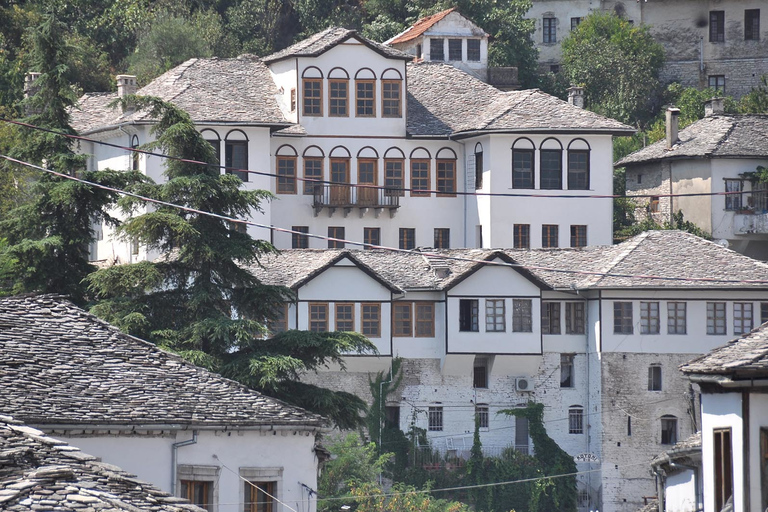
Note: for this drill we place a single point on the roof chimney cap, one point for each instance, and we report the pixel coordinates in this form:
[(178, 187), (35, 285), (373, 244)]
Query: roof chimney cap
[(714, 106), (576, 96), (126, 85), (673, 114)]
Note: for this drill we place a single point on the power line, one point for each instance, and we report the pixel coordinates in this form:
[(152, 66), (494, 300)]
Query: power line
[(382, 247), (390, 189)]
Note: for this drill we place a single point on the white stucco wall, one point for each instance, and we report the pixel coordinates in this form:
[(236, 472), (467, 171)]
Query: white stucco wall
[(680, 492), (722, 410)]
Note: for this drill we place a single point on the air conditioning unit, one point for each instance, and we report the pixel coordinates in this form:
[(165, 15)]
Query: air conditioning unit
[(523, 384)]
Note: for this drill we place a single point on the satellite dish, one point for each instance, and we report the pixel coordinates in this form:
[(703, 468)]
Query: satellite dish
[(722, 243)]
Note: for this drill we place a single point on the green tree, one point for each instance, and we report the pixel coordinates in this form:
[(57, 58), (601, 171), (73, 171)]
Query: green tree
[(369, 497), (756, 101), (48, 236), (618, 64), (202, 300)]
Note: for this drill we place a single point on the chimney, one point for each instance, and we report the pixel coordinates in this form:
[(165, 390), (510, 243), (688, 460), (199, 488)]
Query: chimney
[(714, 107), (576, 96), (29, 80), (673, 115), (126, 85)]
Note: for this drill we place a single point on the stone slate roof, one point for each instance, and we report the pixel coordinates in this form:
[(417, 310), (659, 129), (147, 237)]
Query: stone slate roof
[(419, 27), (675, 255), (652, 506), (717, 136), (62, 365), (239, 91), (688, 450), (443, 100), (321, 42), (745, 357), (38, 472)]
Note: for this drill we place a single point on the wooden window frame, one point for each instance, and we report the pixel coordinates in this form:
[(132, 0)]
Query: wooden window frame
[(396, 103), (368, 195), (521, 237), (367, 323), (189, 495), (421, 192), (335, 234), (469, 315), (305, 98), (401, 332), (578, 235), (309, 186), (442, 238), (446, 185), (650, 317), (342, 100), (323, 307), (723, 465), (741, 318), (407, 238), (677, 317), (521, 182), (300, 241), (368, 239), (655, 382), (575, 318), (623, 323), (286, 183), (717, 323), (336, 311), (548, 233), (427, 323), (252, 496), (391, 186), (550, 317), (358, 98)]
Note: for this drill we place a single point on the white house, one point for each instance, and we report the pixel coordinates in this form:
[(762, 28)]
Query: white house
[(185, 430), (678, 477), (734, 412), (595, 334), (717, 154), (390, 148)]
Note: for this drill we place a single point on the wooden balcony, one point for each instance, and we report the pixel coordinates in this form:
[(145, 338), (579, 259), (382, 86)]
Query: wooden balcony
[(361, 197)]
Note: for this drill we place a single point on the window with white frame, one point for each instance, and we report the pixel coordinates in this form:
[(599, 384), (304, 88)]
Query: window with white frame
[(742, 317), (495, 315), (469, 315), (199, 485), (732, 198), (261, 488), (575, 419), (435, 419), (482, 416), (716, 321), (649, 318), (676, 317), (521, 315)]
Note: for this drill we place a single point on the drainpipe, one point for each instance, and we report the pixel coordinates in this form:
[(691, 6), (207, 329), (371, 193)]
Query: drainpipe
[(701, 54), (174, 456), (381, 413)]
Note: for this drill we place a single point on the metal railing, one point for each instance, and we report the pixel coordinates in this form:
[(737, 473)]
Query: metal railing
[(358, 196)]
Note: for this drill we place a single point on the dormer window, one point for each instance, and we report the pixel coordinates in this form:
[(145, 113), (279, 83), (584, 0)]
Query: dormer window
[(473, 50), (312, 92), (454, 49)]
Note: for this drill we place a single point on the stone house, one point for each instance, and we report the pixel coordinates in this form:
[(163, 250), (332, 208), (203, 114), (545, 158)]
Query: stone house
[(719, 155), (595, 334), (187, 431)]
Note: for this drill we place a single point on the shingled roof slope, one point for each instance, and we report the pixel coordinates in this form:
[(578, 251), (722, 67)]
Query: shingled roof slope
[(718, 136), (239, 90), (38, 472), (321, 42), (418, 28), (689, 449), (443, 100), (744, 357), (62, 365)]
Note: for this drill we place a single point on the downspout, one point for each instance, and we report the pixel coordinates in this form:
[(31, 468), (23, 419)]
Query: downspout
[(589, 386), (174, 456), (746, 427)]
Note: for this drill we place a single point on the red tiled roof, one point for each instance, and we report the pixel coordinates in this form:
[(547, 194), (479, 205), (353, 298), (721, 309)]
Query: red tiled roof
[(421, 26)]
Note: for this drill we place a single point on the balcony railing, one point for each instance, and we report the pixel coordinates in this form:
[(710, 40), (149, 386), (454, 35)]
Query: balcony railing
[(355, 196)]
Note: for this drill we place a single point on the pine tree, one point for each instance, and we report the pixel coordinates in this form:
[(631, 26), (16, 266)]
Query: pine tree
[(48, 235), (201, 300)]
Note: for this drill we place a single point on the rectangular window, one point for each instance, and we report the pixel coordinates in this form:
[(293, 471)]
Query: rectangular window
[(578, 170), (521, 435), (716, 322), (653, 206), (370, 319), (371, 236), (763, 312), (286, 174), (549, 28), (549, 236), (522, 315), (649, 318), (751, 24), (574, 318), (551, 169), (578, 236), (393, 177), (318, 316), (391, 98), (676, 317), (495, 315), (575, 23), (446, 177), (435, 419), (345, 317), (313, 175), (300, 240), (473, 50), (420, 177), (236, 157), (576, 420), (365, 98), (339, 190), (293, 99), (337, 234), (723, 467), (717, 82), (716, 26), (478, 170), (198, 493), (312, 99), (402, 321), (522, 168), (622, 318), (742, 317), (566, 371), (550, 318), (480, 373), (436, 49), (522, 236), (338, 98), (442, 238), (407, 238), (392, 416), (733, 200), (280, 322), (482, 416), (454, 49), (668, 430), (425, 319), (654, 377), (260, 496), (216, 143), (469, 315)]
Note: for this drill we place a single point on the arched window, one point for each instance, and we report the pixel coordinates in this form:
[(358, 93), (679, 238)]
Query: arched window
[(285, 163), (551, 165), (394, 179), (578, 165), (236, 154), (313, 170), (367, 176), (212, 138), (523, 170), (338, 93), (135, 155), (445, 163), (478, 166), (421, 182), (391, 93), (340, 191), (365, 93), (312, 92)]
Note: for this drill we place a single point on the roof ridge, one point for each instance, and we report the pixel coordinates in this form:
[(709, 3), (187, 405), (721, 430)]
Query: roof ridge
[(633, 244)]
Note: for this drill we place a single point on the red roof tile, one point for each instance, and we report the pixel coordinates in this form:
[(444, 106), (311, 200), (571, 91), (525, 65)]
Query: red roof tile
[(421, 26)]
